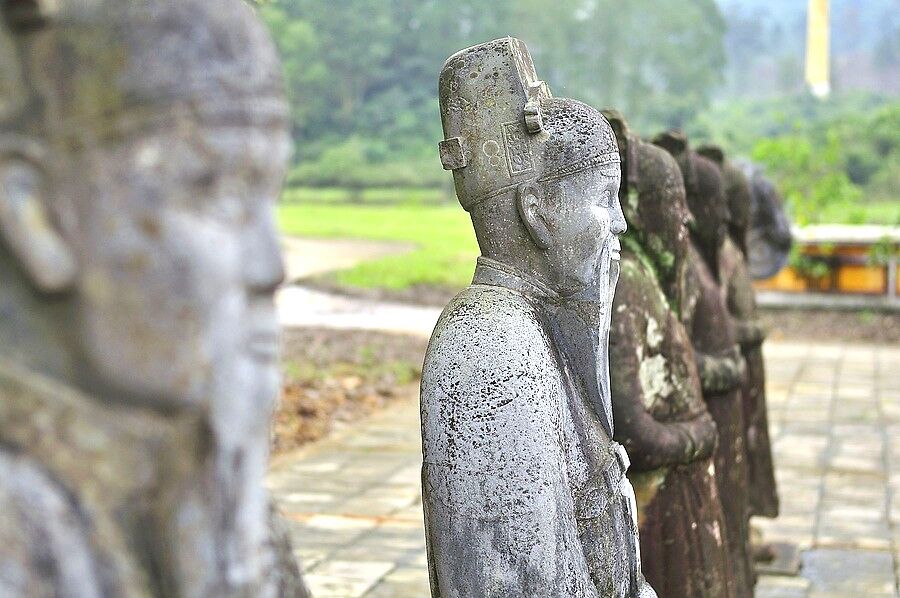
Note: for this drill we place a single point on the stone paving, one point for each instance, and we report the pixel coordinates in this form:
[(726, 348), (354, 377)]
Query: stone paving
[(355, 509)]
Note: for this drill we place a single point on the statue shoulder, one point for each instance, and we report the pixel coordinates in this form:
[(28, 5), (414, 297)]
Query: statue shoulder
[(638, 287), (490, 374), (43, 536), (490, 325)]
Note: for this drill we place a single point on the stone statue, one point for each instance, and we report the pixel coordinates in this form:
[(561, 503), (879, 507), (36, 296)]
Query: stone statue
[(737, 286), (769, 239), (702, 308), (660, 415), (524, 490), (143, 145)]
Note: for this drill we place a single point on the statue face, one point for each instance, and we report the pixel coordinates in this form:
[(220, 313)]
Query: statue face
[(666, 225), (584, 228), (179, 261), (708, 202)]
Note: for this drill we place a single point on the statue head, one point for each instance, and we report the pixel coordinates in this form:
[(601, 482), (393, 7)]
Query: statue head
[(770, 239), (737, 193), (142, 147), (539, 175), (653, 199), (705, 190)]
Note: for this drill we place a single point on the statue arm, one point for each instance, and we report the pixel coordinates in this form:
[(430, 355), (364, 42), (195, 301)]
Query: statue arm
[(749, 332), (721, 373), (650, 443)]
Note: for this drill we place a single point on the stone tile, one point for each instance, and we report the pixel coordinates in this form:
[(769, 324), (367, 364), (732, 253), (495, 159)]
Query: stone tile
[(770, 586), (355, 510), (853, 573), (348, 579)]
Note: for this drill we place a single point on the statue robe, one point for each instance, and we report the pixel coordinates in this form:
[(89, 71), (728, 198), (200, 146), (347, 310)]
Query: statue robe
[(103, 500), (737, 288), (705, 316), (525, 494), (663, 422)]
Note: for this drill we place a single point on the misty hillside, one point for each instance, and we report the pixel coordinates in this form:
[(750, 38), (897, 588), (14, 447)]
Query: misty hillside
[(766, 44)]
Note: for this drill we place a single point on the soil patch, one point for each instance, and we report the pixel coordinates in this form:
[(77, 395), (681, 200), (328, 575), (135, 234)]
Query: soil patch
[(832, 325), (785, 324), (423, 295), (335, 377)]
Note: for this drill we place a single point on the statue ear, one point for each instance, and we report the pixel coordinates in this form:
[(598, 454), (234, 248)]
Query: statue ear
[(712, 152), (530, 203), (26, 225)]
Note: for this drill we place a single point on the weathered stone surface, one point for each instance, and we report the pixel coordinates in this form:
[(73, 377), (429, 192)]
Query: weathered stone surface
[(660, 414), (722, 368), (769, 240), (737, 289), (142, 147), (524, 490)]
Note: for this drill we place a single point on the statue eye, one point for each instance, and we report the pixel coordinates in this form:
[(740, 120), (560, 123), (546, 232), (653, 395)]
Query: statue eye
[(605, 198)]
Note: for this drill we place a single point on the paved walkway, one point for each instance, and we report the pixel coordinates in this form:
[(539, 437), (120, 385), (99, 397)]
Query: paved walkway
[(355, 507)]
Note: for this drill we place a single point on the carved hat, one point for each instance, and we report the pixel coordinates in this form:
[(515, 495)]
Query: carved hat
[(503, 128), (105, 64)]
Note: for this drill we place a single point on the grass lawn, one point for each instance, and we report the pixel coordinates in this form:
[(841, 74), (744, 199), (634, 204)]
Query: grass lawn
[(376, 195), (446, 247), (875, 212), (443, 235)]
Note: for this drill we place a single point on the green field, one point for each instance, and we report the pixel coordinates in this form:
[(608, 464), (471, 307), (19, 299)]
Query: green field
[(375, 195), (877, 212), (445, 244), (445, 247)]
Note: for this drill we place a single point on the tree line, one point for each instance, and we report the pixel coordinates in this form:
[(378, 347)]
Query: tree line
[(362, 74)]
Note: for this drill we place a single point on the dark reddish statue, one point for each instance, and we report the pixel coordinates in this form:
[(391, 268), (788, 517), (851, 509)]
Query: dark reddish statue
[(659, 412), (737, 288), (722, 368)]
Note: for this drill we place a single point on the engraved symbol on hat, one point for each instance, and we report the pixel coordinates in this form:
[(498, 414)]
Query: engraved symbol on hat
[(518, 149), (491, 149)]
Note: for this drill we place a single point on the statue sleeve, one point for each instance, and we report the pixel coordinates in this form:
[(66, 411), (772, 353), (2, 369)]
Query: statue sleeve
[(499, 513), (650, 443), (44, 548), (721, 373)]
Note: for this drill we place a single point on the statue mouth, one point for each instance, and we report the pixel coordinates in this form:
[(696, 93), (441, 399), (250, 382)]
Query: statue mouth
[(615, 249), (265, 346)]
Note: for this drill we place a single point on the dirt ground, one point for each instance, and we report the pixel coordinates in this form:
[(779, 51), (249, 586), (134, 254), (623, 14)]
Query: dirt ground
[(812, 324), (423, 295), (334, 377)]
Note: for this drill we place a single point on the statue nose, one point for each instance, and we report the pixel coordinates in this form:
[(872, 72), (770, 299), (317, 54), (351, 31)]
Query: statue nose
[(263, 264)]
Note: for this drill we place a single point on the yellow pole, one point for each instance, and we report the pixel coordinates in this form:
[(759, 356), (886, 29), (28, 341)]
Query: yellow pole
[(818, 75)]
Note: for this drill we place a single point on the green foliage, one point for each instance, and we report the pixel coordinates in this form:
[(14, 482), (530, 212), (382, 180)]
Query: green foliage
[(814, 268), (835, 161), (883, 252), (809, 175), (362, 74), (357, 163)]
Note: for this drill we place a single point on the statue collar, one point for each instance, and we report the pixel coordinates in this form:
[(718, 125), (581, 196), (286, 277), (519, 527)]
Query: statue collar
[(105, 456), (491, 272)]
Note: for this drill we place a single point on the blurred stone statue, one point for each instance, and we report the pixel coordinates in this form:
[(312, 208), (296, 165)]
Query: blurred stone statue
[(660, 415), (769, 238), (702, 309), (737, 287), (524, 490), (143, 145)]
